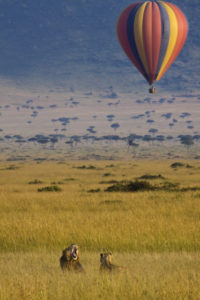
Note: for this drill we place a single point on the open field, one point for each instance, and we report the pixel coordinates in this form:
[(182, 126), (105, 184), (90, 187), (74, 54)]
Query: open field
[(153, 233), (36, 275)]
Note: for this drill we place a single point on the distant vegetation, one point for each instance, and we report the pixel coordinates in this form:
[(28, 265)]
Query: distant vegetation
[(35, 181), (85, 167), (133, 142), (180, 164), (131, 186), (149, 176), (51, 188)]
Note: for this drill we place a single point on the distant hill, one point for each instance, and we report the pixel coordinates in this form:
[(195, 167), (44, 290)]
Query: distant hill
[(73, 44)]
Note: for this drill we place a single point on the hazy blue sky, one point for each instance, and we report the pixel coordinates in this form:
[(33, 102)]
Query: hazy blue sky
[(74, 44)]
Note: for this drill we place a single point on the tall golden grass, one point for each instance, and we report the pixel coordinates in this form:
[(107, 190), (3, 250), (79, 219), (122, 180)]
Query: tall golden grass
[(155, 234), (36, 275)]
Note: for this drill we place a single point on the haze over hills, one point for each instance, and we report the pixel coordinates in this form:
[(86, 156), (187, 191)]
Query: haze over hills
[(64, 76)]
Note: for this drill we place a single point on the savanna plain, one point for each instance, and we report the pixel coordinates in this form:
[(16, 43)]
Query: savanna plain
[(147, 213)]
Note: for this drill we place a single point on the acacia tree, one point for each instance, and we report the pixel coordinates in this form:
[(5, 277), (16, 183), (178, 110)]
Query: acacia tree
[(153, 130), (134, 147), (115, 126), (187, 140)]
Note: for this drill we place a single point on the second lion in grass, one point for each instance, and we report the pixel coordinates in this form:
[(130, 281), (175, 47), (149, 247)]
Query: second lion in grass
[(106, 264)]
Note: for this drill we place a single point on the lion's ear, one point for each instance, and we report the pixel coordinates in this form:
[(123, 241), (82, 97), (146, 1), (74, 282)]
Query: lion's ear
[(64, 251), (101, 254)]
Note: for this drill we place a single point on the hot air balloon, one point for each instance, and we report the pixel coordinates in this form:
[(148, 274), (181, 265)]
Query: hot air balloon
[(152, 34)]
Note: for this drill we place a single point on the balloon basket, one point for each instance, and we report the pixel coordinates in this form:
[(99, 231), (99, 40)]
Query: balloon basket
[(152, 90)]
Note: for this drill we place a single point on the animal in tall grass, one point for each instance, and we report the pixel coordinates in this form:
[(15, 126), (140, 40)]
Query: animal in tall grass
[(69, 261), (106, 264)]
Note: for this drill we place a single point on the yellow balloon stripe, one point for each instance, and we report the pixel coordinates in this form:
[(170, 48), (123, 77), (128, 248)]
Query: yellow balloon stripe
[(173, 37), (138, 35)]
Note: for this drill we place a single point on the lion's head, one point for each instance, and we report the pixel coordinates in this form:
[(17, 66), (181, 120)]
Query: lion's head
[(105, 258), (71, 253)]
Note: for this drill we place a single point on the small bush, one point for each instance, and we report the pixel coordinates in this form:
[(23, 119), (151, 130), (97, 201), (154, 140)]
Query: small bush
[(189, 166), (91, 168), (81, 167), (51, 188), (12, 167), (176, 165), (190, 189), (131, 186), (86, 167), (94, 191), (136, 186), (35, 181), (58, 182), (69, 179), (106, 174), (150, 177)]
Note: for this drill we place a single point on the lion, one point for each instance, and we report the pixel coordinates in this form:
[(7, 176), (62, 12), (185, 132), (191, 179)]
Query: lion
[(106, 265), (69, 260)]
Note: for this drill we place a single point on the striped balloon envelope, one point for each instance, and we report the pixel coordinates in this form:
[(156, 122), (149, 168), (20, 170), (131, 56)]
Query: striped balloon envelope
[(152, 34)]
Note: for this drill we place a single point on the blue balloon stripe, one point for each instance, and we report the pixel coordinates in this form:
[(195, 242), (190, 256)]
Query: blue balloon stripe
[(165, 36), (131, 38)]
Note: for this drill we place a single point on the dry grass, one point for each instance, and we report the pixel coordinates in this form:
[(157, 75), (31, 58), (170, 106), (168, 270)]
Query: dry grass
[(154, 233), (147, 276)]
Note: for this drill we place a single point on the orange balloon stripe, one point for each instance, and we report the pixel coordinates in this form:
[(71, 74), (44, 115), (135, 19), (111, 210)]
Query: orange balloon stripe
[(152, 37), (182, 35)]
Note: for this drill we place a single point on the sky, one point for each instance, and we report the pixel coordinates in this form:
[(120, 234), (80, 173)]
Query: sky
[(73, 44)]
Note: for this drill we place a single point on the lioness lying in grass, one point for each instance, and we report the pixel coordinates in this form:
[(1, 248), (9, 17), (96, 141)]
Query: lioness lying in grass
[(106, 265)]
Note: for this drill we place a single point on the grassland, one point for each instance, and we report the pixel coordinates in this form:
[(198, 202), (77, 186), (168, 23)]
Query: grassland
[(153, 233)]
